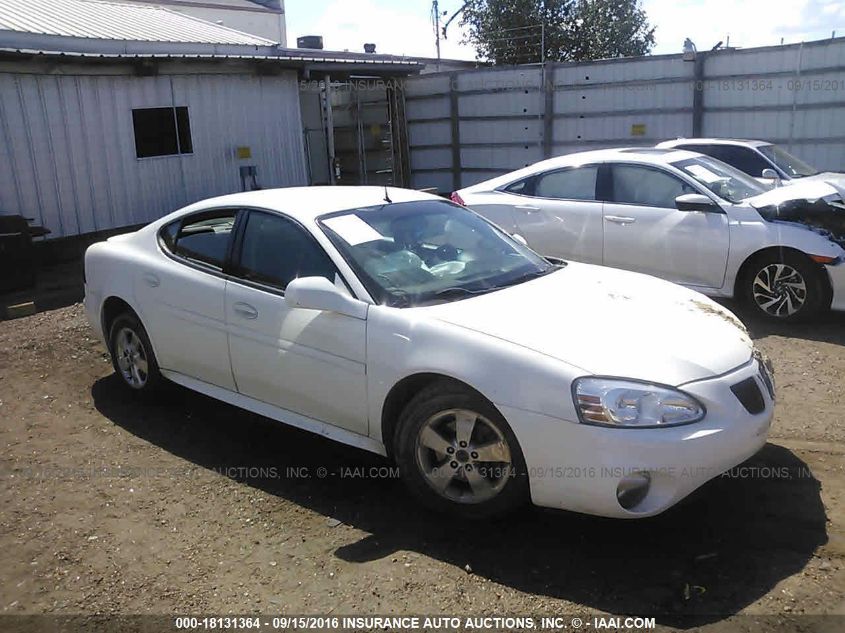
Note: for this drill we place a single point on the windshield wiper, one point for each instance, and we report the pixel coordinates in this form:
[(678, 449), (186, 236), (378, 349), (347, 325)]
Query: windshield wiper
[(534, 274), (460, 291)]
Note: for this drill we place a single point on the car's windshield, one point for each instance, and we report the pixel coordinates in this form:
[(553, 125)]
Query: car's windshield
[(428, 251), (725, 181), (791, 165)]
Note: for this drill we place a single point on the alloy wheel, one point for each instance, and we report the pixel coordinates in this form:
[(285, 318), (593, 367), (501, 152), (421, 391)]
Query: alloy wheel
[(463, 456), (779, 290), (131, 358)]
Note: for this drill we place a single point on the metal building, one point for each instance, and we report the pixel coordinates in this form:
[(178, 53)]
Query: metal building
[(264, 18), (112, 115)]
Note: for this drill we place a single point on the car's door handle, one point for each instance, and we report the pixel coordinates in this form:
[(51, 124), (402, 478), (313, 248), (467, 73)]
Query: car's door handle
[(245, 310), (527, 208), (151, 280), (620, 219)]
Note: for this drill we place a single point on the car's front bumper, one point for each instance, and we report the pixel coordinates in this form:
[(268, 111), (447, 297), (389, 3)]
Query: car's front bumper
[(836, 272), (92, 304), (578, 467)]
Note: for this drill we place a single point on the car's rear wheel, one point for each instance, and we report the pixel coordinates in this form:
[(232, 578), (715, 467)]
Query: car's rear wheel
[(785, 287), (132, 354), (458, 455)]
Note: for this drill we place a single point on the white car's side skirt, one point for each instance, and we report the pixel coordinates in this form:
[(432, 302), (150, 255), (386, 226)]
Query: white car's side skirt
[(725, 291), (276, 413)]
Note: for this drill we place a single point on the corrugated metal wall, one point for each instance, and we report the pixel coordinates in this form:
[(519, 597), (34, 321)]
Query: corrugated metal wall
[(67, 145), (468, 126)]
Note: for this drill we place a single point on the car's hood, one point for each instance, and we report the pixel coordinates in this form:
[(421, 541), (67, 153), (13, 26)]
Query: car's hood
[(826, 176), (817, 205), (610, 322), (809, 189)]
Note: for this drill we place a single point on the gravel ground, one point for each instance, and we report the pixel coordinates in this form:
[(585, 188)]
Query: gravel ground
[(187, 505)]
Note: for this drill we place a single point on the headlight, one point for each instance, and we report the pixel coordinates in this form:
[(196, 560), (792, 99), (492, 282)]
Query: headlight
[(627, 403)]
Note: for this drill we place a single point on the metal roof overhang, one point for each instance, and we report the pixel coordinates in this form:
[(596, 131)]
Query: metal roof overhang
[(76, 49)]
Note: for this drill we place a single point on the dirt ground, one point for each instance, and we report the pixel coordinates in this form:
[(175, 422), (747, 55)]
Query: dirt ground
[(186, 505)]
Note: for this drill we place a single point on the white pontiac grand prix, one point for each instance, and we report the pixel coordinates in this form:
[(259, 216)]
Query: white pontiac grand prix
[(404, 324)]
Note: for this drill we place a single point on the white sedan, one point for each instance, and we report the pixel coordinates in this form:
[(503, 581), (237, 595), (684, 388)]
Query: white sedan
[(682, 216), (406, 325), (768, 163)]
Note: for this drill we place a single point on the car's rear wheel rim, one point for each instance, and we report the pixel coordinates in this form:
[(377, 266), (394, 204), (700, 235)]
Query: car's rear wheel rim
[(779, 290), (131, 358), (463, 456)]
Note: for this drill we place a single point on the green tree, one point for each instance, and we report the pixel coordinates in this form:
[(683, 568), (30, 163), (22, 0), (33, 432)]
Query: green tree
[(519, 31), (509, 31), (610, 28)]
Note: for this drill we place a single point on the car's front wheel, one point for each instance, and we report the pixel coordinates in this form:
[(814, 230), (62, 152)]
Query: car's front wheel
[(458, 455), (785, 287), (132, 354)]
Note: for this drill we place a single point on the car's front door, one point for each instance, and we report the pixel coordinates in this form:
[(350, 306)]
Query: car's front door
[(181, 296), (645, 232), (558, 214), (310, 362)]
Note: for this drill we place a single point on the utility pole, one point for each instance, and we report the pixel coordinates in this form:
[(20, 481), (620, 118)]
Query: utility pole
[(436, 9)]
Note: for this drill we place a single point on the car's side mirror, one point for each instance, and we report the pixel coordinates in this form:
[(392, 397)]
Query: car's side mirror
[(696, 202), (318, 293), (771, 174)]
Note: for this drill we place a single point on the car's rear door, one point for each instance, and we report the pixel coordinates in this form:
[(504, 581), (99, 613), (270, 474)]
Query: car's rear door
[(645, 232), (310, 362), (180, 296), (558, 214)]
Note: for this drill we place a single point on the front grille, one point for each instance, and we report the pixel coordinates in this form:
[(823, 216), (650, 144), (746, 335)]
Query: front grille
[(748, 393)]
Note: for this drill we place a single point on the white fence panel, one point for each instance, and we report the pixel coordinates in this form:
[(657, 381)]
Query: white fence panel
[(489, 121)]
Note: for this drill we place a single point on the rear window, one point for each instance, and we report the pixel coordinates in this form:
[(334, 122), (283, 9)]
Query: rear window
[(202, 238)]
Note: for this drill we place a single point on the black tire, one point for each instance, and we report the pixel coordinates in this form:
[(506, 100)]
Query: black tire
[(511, 481), (151, 380), (800, 269)]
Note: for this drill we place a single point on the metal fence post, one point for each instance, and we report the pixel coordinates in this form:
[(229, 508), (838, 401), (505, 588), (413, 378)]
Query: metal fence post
[(454, 115), (698, 94), (548, 88)]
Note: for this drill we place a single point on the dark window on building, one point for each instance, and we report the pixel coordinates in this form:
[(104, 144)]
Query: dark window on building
[(162, 131)]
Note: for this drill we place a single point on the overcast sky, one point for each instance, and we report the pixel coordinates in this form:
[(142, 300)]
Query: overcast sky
[(404, 26)]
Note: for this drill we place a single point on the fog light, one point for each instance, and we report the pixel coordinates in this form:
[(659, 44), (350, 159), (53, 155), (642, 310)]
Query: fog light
[(633, 489)]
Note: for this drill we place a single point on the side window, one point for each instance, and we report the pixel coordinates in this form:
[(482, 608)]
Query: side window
[(168, 235), (203, 237), (275, 251), (645, 186), (578, 183), (743, 158), (522, 187)]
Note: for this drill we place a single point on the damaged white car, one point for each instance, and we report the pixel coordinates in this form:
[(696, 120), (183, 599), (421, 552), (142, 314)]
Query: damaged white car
[(403, 324), (766, 162), (682, 216)]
